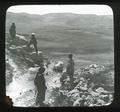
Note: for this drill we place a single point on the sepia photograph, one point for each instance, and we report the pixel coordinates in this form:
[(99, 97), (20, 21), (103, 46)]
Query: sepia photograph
[(59, 55)]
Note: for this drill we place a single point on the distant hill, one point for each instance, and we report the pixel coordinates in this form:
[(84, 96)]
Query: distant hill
[(27, 23), (65, 32)]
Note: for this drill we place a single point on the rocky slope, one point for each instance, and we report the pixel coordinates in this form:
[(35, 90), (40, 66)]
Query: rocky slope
[(93, 84)]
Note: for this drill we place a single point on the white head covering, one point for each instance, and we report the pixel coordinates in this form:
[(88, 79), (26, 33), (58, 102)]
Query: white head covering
[(33, 33)]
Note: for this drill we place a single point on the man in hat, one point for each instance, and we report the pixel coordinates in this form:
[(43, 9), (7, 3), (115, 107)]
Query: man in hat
[(70, 68), (34, 42), (41, 86)]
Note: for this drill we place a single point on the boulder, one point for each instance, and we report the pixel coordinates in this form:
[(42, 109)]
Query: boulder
[(9, 73), (77, 103), (25, 48), (20, 40), (58, 67), (37, 58), (17, 50), (33, 70), (29, 62), (9, 77), (101, 90)]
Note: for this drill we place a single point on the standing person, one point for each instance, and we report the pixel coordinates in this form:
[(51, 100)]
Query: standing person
[(12, 31), (70, 69), (34, 42), (41, 86)]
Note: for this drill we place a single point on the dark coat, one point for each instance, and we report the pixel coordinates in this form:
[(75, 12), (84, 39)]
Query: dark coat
[(41, 87), (40, 82), (70, 67), (12, 31), (34, 42)]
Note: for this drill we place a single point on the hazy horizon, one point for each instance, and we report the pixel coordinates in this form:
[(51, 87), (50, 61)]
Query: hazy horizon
[(76, 9), (56, 13)]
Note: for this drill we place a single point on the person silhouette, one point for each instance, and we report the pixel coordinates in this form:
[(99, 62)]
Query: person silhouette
[(40, 86), (12, 31), (70, 68), (34, 42)]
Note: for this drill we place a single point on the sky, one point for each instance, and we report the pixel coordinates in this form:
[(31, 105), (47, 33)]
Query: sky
[(78, 9)]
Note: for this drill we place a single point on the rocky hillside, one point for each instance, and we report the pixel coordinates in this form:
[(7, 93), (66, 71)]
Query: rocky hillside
[(93, 84)]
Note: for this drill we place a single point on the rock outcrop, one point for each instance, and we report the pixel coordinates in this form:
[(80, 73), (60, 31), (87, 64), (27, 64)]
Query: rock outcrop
[(93, 85)]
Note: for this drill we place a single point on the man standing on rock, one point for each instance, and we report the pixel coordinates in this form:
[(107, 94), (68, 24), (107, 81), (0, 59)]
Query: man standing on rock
[(41, 86), (12, 31), (34, 42), (70, 68)]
